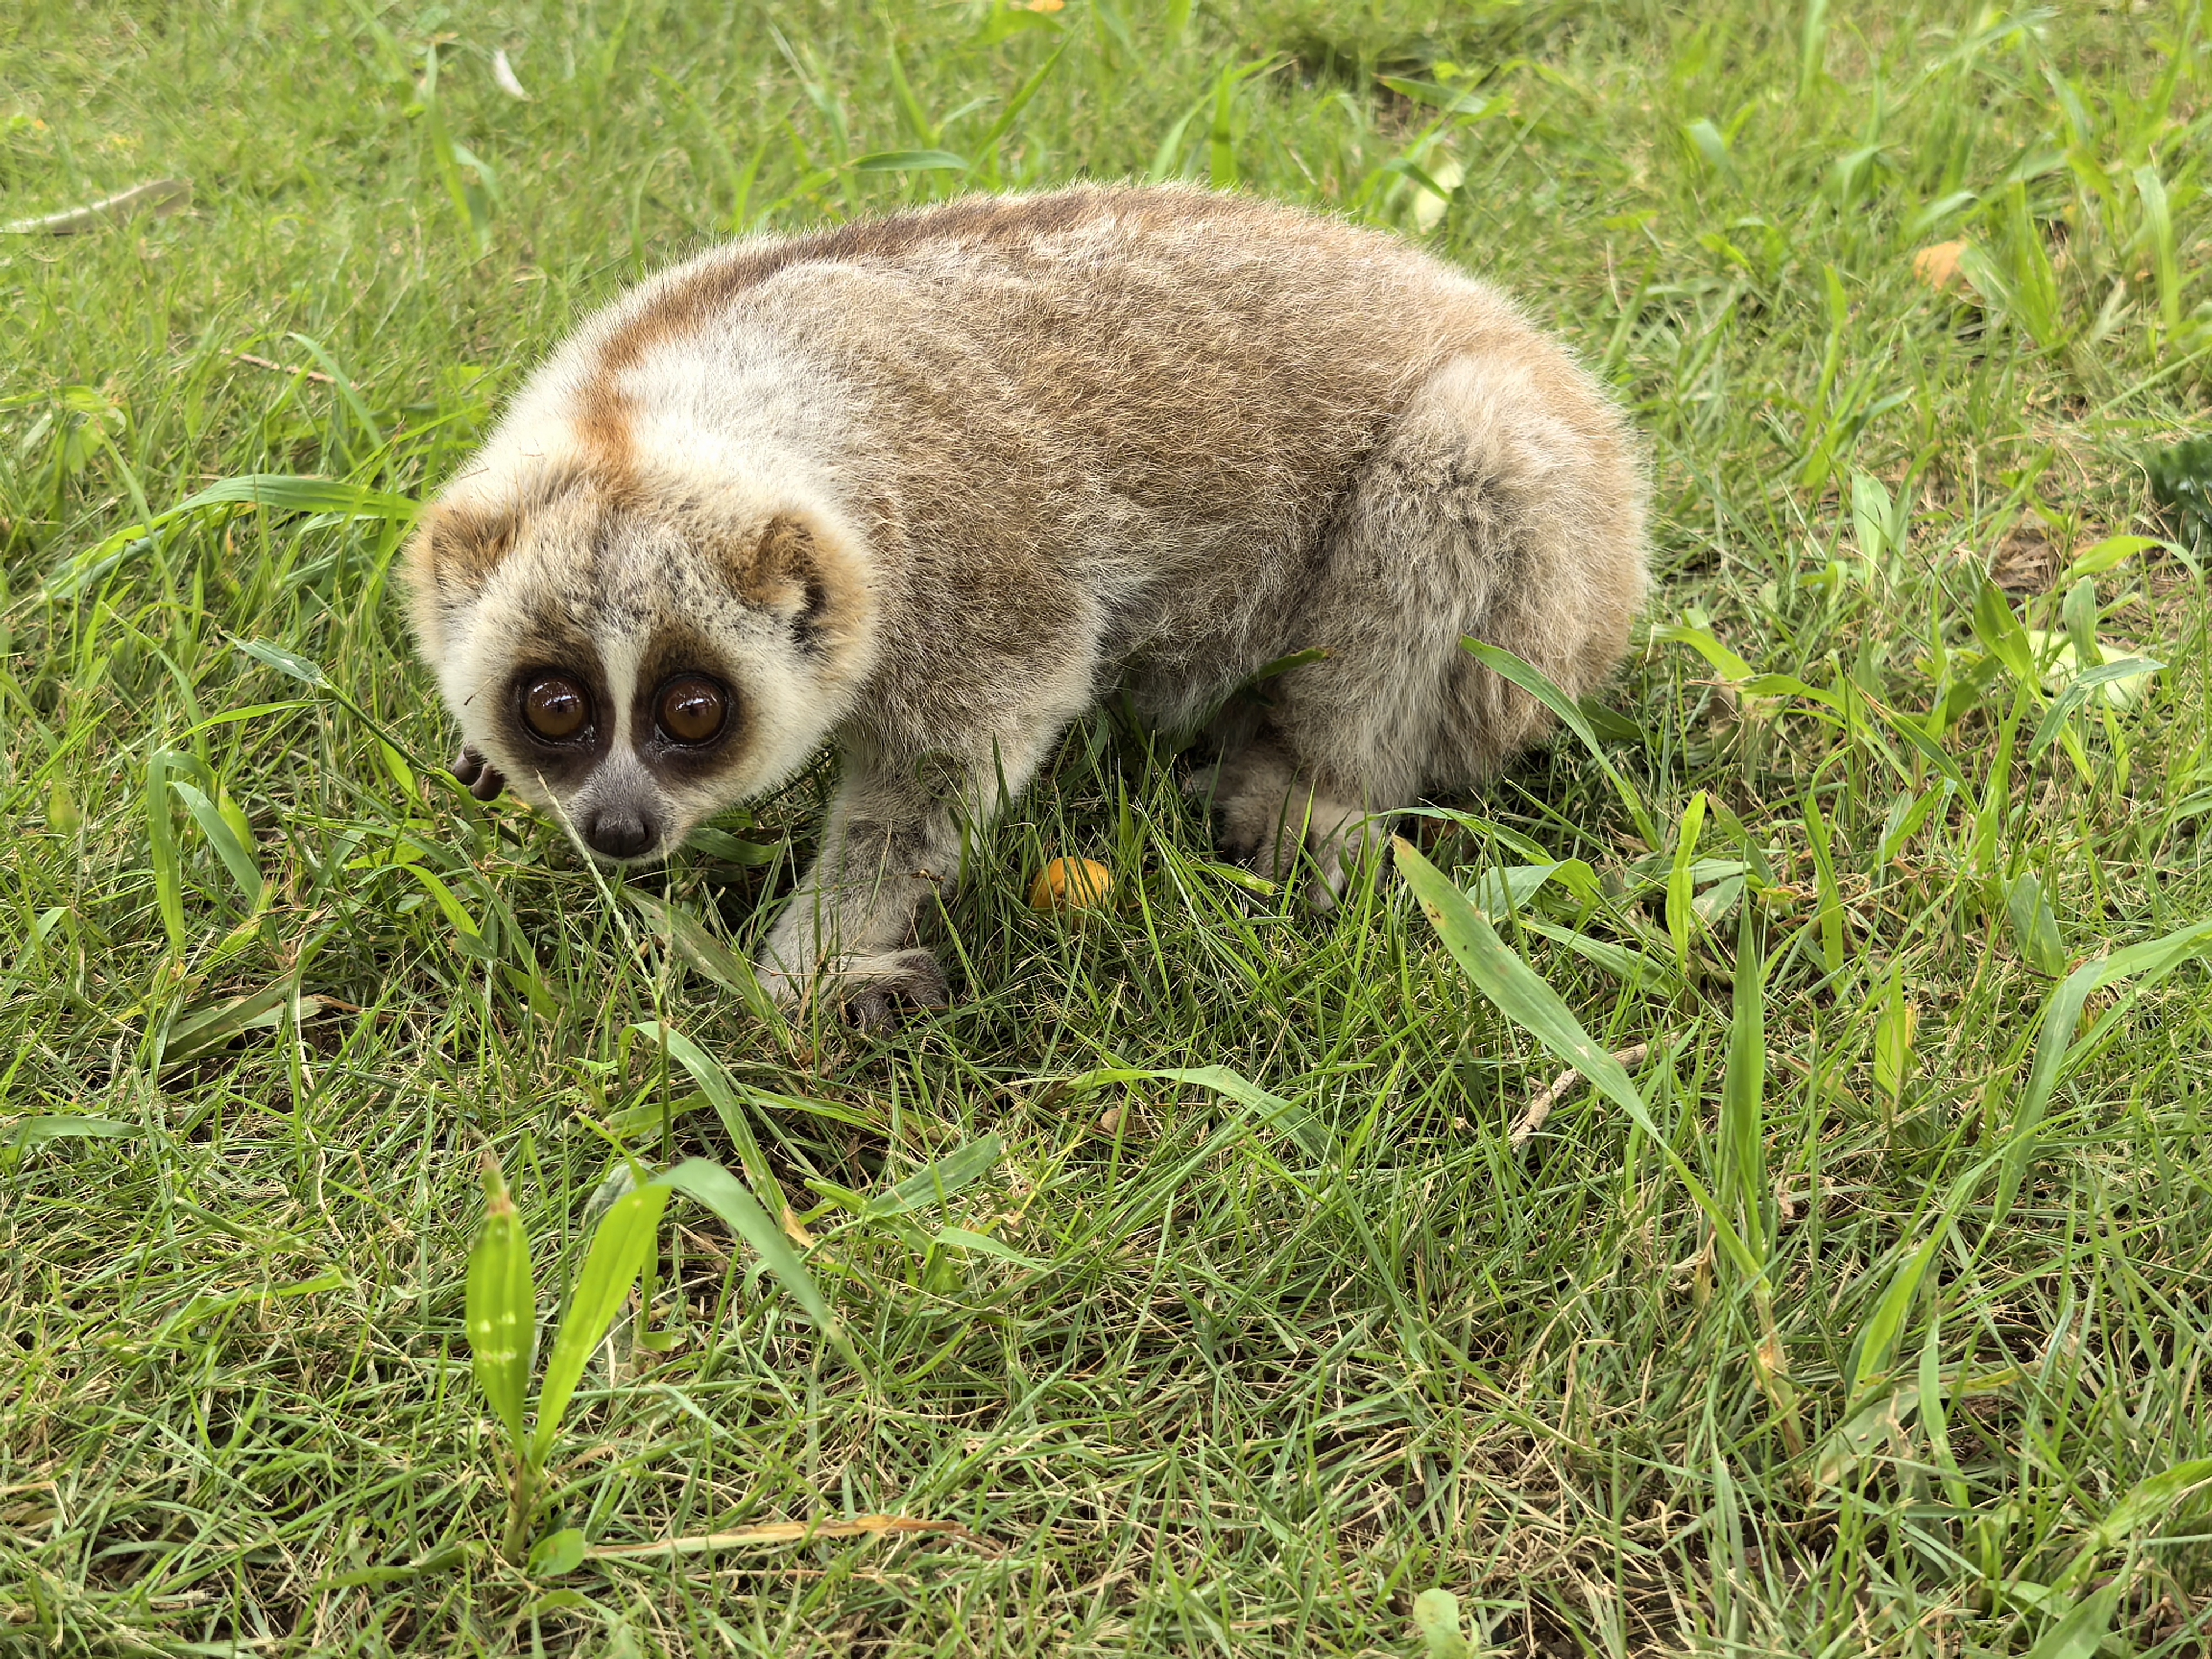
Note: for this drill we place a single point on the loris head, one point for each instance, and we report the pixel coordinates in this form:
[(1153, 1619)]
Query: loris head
[(635, 655)]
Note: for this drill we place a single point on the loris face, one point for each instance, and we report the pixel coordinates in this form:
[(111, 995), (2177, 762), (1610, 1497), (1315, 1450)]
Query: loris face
[(632, 663)]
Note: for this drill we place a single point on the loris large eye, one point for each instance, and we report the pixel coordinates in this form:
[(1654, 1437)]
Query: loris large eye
[(555, 707), (690, 709)]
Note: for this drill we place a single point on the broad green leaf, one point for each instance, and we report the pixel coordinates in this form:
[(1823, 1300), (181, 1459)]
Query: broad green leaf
[(910, 161), (1522, 997), (501, 1311), (1436, 1618), (1437, 97), (2082, 1632), (1537, 685), (20, 1135), (223, 835), (1894, 1029), (1729, 666), (940, 1181), (720, 1191), (2107, 554), (2077, 691), (1680, 884), (731, 849), (2004, 638), (1872, 512), (2055, 1049), (1707, 142), (1275, 1112), (2080, 613), (2145, 1502), (2034, 927), (619, 1248), (1506, 889), (557, 1554), (290, 664)]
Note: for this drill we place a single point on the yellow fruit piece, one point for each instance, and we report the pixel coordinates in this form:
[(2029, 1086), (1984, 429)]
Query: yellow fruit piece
[(1071, 884), (1938, 265)]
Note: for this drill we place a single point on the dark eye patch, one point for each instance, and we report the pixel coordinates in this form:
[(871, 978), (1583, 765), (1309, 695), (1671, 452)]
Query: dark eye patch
[(556, 716), (688, 714)]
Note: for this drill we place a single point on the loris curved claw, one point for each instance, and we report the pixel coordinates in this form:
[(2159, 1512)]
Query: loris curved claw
[(483, 780)]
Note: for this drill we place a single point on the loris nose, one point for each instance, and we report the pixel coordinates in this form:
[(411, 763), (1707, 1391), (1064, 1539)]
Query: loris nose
[(617, 832)]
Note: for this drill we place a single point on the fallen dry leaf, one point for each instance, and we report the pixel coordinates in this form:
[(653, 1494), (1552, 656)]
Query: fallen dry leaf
[(1072, 884), (785, 1531), (504, 76), (160, 195), (1938, 265), (1540, 1107), (2027, 561)]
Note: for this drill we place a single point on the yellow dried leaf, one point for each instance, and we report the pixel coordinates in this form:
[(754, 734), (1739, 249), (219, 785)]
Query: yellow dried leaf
[(1072, 884), (1938, 265)]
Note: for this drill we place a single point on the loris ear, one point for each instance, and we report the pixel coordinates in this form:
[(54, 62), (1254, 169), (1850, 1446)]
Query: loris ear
[(799, 570), (453, 550), (456, 547)]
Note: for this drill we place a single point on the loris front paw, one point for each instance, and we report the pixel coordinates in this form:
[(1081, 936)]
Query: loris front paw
[(482, 779), (870, 989)]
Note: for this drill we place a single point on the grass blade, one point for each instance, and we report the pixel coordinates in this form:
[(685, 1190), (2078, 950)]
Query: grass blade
[(2082, 1630), (1291, 1119), (168, 880), (2144, 1504), (938, 1182), (720, 1191), (1878, 1338), (910, 161), (619, 1246), (223, 837), (1537, 685), (2056, 1051), (729, 1105), (2077, 692), (1521, 994), (501, 1307), (700, 949), (1743, 1090), (1680, 880)]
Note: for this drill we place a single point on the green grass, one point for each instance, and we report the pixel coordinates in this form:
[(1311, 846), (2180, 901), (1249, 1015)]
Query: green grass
[(1251, 1379)]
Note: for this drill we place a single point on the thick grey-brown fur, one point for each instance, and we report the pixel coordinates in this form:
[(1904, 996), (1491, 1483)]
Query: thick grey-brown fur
[(925, 488)]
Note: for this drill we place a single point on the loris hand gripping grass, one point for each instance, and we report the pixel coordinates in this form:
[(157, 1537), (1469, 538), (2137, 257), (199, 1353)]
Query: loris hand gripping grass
[(925, 488)]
